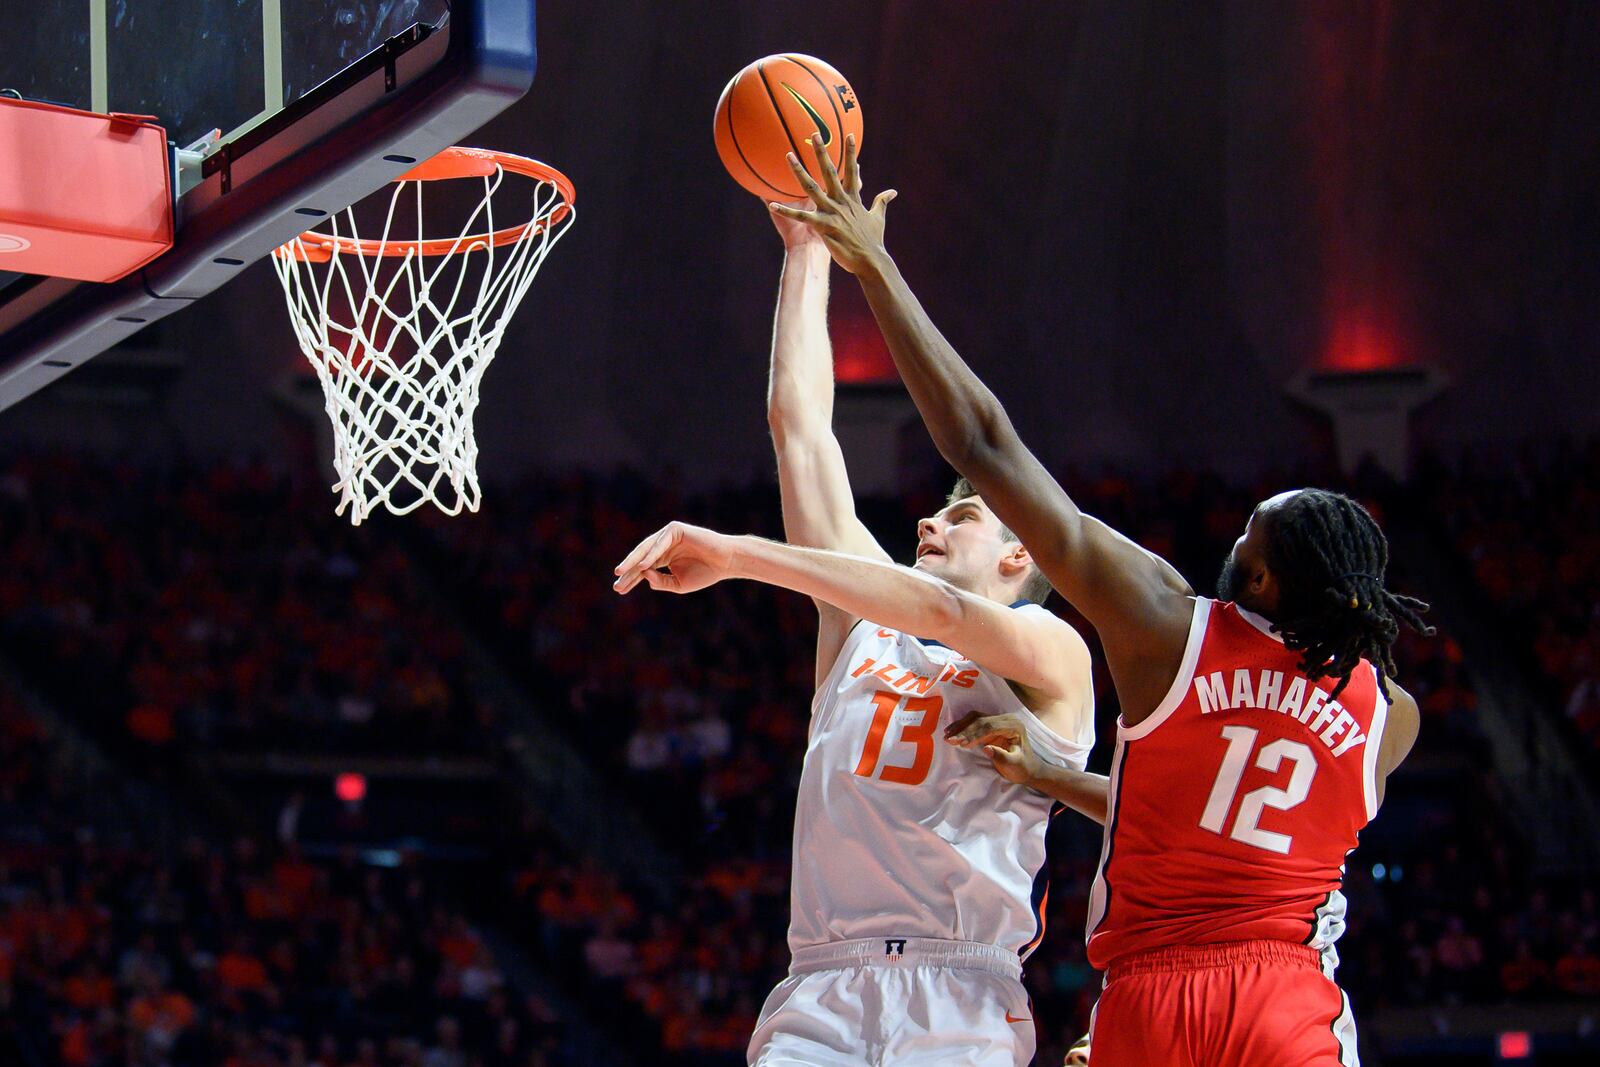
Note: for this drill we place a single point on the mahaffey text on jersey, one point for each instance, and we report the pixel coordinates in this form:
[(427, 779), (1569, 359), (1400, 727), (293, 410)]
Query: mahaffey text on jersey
[(1307, 704)]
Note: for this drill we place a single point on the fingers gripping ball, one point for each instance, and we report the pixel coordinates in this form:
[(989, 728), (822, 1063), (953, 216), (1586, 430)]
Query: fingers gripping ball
[(770, 108)]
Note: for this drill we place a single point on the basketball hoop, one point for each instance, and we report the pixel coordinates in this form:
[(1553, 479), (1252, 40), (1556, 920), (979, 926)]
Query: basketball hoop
[(400, 368)]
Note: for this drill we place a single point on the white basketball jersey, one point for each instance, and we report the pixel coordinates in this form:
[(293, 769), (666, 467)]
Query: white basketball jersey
[(899, 834)]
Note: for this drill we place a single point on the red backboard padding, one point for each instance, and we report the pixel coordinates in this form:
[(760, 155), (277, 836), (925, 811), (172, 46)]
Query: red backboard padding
[(82, 195)]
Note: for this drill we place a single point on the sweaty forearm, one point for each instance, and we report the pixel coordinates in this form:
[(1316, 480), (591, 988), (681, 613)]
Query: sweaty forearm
[(1085, 793), (886, 593)]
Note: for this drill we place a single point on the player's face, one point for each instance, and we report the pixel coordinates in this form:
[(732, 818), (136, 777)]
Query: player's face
[(1232, 580), (1244, 577), (961, 544)]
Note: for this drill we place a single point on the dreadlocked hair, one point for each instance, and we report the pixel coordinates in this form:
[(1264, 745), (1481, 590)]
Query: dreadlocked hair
[(1329, 557)]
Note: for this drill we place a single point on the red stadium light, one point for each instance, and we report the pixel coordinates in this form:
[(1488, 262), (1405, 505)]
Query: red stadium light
[(350, 787), (1358, 343), (860, 356), (1516, 1045)]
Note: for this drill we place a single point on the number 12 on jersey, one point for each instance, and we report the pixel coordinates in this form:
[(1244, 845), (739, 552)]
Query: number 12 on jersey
[(919, 735), (1241, 742)]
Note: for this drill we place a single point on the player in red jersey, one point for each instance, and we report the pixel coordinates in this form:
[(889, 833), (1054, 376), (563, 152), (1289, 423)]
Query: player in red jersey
[(1257, 729)]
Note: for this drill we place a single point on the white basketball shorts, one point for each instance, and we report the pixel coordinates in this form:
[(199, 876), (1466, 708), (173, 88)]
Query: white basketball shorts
[(897, 1002)]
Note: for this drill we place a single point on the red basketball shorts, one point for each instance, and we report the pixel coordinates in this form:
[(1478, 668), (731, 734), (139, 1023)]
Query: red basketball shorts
[(1240, 1004)]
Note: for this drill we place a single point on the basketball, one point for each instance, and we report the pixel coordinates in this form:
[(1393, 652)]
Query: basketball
[(770, 108)]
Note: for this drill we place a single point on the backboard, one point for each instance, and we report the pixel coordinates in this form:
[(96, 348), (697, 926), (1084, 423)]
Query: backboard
[(318, 103)]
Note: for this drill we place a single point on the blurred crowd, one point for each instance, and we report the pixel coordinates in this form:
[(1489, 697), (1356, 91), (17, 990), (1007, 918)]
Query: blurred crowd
[(1527, 522), (223, 609), (246, 954), (226, 608)]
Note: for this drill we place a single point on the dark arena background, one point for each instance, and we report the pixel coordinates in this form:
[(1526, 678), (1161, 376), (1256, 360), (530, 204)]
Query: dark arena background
[(280, 792)]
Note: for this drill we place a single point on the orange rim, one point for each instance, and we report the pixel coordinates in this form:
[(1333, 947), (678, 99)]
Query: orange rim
[(314, 247)]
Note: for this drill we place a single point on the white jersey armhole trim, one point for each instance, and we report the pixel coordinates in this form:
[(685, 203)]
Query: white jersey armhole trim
[(1369, 758), (1180, 684), (1058, 749), (1076, 753), (1099, 892)]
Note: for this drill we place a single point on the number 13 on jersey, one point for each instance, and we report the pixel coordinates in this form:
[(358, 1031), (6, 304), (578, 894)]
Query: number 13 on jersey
[(918, 735)]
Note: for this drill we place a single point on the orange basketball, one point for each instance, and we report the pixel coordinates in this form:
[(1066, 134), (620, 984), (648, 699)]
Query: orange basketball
[(770, 108)]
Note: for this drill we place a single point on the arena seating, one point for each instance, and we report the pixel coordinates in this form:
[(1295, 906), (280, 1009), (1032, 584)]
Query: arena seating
[(180, 610), (121, 951), (1527, 525)]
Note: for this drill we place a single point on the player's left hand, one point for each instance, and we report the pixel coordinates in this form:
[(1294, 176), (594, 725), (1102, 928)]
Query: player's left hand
[(678, 558), (1004, 739), (852, 231)]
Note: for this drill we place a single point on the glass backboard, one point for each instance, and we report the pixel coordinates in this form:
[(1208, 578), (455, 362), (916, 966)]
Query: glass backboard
[(318, 103), (197, 65)]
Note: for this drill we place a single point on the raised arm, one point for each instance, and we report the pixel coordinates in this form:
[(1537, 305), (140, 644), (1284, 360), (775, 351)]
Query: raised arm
[(1137, 601), (818, 507), (1035, 650)]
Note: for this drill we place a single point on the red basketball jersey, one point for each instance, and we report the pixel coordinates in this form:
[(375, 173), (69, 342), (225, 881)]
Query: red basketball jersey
[(1234, 805)]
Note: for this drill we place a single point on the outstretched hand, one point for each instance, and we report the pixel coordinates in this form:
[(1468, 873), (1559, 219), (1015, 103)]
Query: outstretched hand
[(795, 234), (852, 231), (678, 558), (1004, 739)]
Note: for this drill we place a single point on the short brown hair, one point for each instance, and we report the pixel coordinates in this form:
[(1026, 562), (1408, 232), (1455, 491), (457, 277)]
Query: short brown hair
[(1036, 588)]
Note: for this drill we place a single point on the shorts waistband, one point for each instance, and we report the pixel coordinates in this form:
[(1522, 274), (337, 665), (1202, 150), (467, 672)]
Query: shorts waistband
[(906, 952), (1203, 957)]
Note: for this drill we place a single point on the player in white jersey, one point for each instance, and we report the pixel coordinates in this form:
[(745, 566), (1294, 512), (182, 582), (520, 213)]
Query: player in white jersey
[(919, 881)]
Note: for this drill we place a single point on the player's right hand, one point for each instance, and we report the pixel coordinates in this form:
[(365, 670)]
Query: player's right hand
[(678, 558), (796, 235), (1004, 739)]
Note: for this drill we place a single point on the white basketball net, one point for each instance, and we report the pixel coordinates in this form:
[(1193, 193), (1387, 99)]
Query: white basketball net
[(402, 349)]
